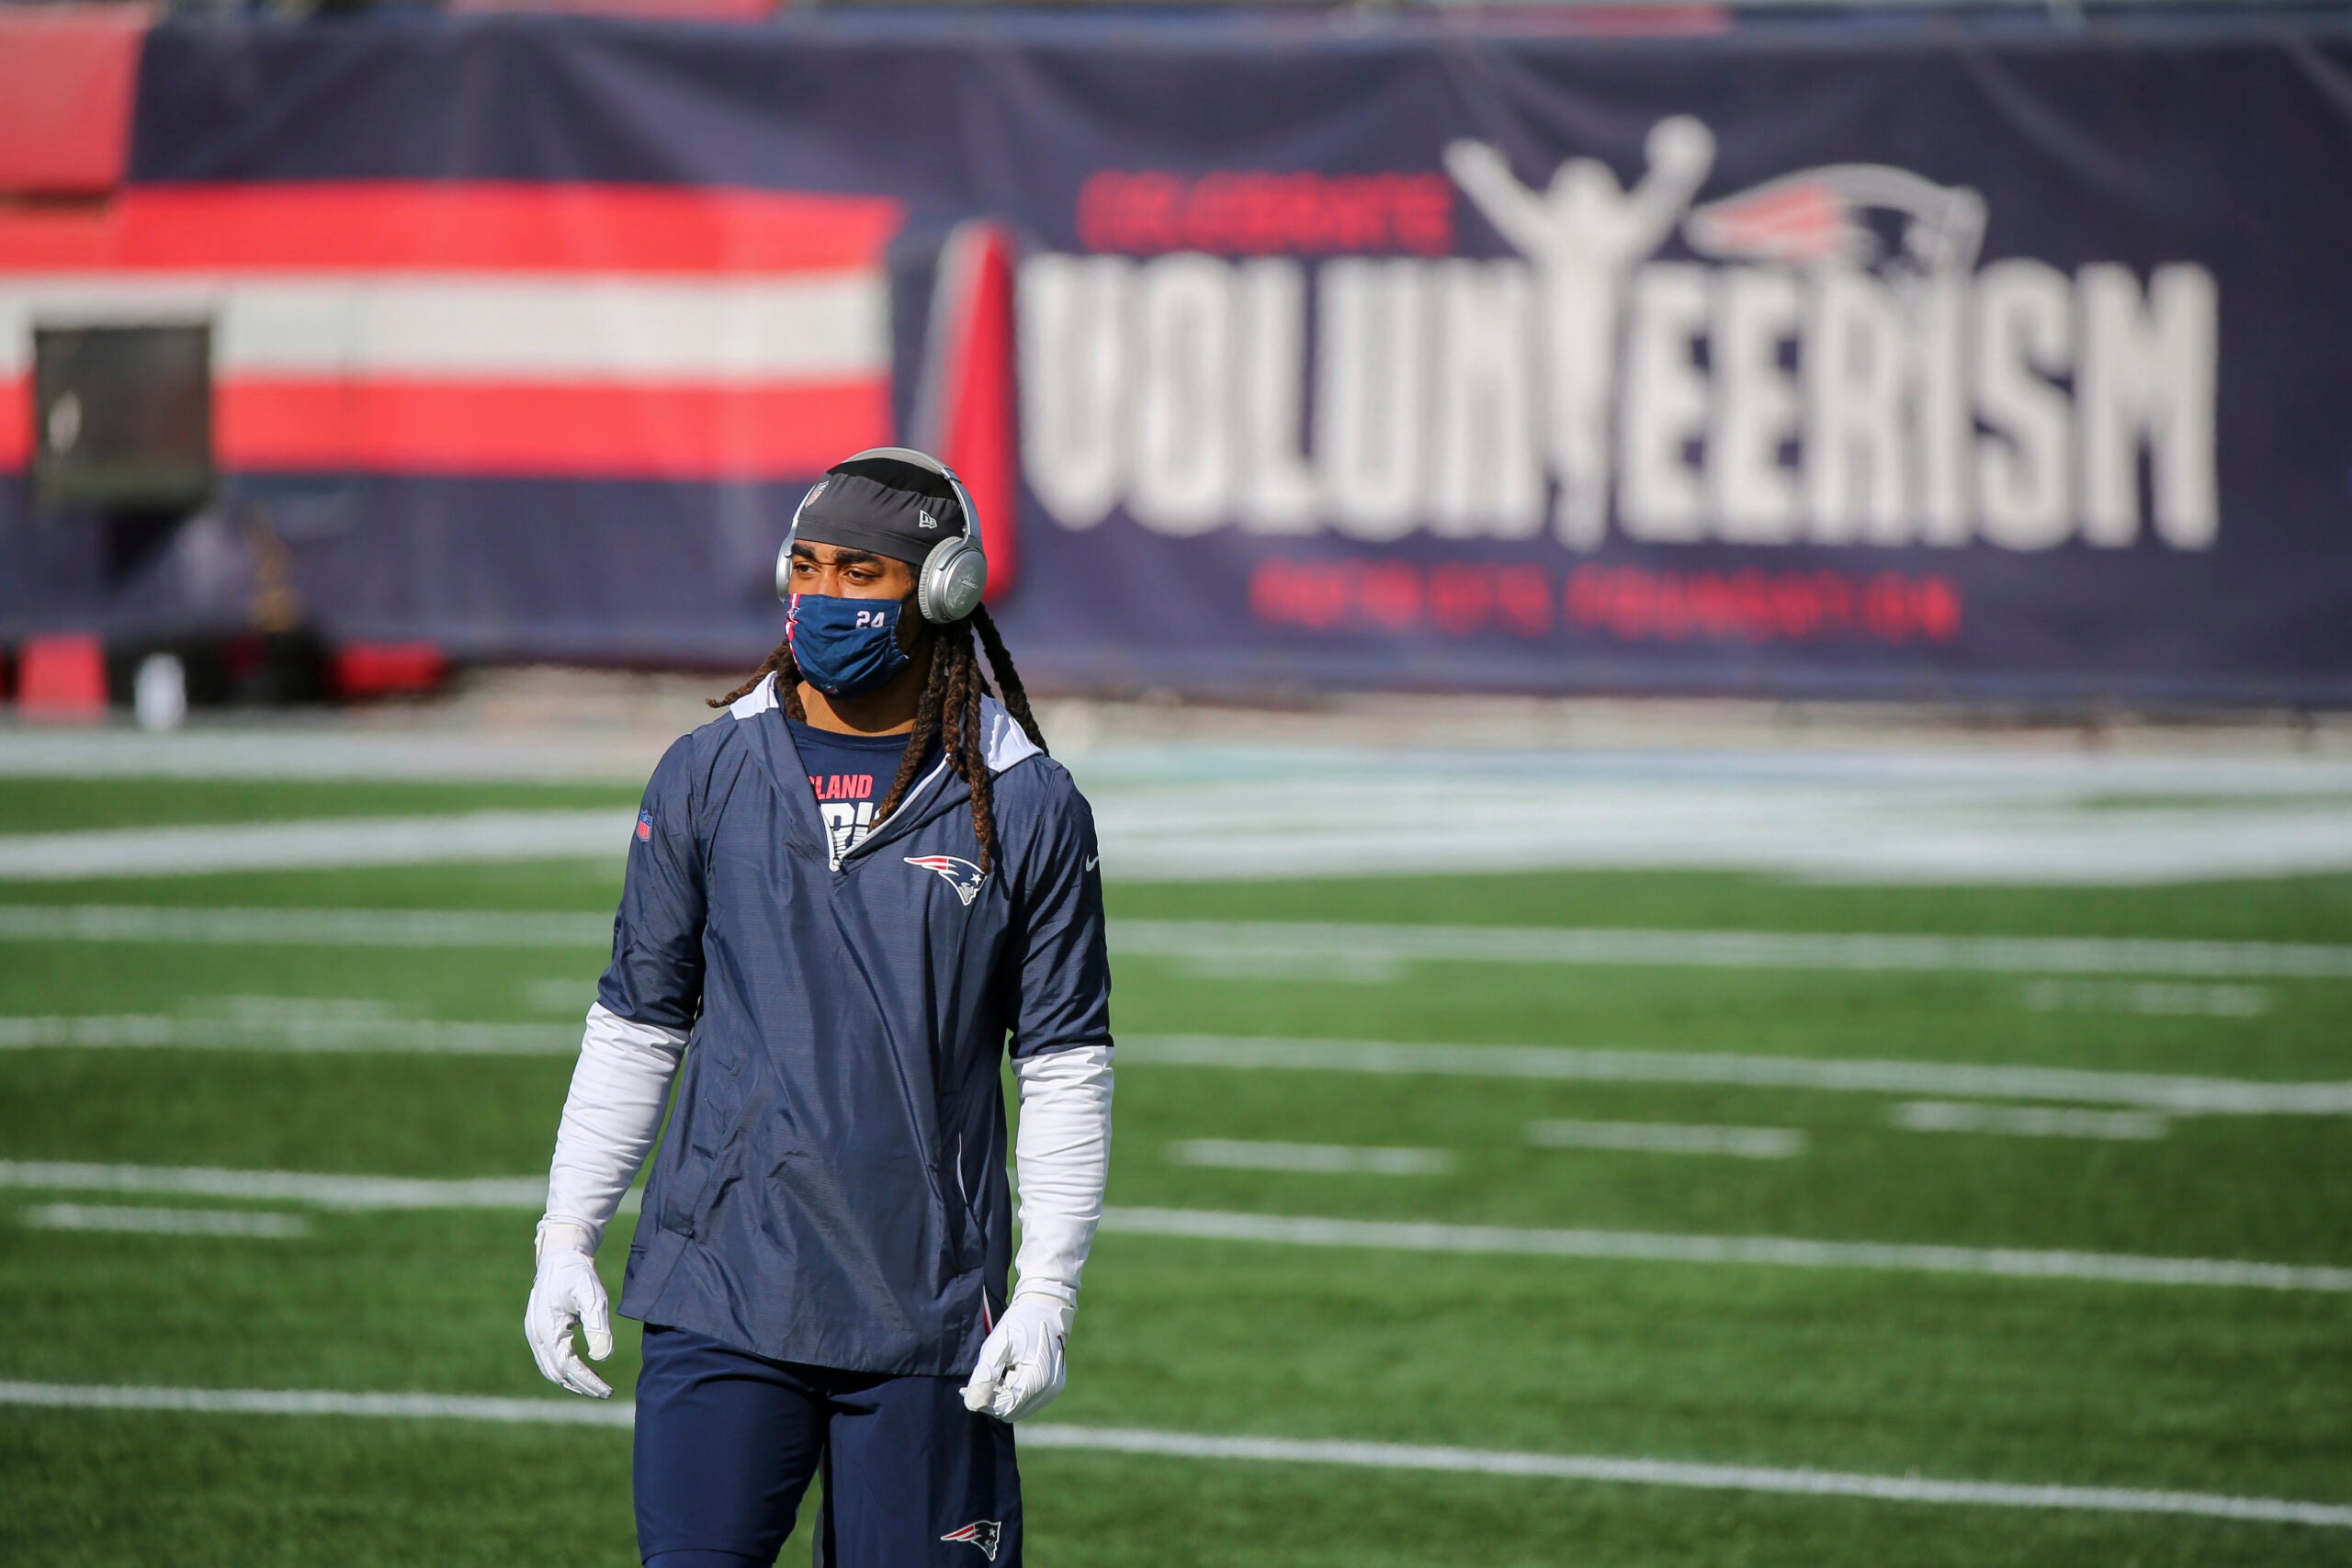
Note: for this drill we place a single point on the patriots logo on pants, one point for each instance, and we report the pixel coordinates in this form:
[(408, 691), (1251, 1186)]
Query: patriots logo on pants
[(961, 875), (982, 1533)]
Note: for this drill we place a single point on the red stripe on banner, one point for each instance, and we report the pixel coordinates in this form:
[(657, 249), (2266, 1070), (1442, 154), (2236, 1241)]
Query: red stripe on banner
[(16, 423), (976, 382), (67, 73), (563, 429), (455, 227)]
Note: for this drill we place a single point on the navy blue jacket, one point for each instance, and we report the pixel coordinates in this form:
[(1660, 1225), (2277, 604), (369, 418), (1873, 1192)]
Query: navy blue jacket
[(832, 1188)]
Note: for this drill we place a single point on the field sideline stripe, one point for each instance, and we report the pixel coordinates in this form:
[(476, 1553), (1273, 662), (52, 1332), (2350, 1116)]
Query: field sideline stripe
[(1785, 1252), (1268, 1450), (1259, 941), (362, 1192), (2154, 1091)]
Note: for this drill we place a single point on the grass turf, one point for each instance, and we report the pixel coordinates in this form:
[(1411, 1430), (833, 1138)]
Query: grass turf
[(2016, 1380)]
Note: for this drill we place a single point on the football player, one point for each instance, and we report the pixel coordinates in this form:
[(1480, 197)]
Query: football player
[(842, 895)]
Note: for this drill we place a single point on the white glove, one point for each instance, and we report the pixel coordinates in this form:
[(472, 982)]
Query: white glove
[(1020, 1366), (567, 1293)]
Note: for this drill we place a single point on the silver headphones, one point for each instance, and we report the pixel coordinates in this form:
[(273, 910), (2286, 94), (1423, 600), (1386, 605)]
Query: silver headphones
[(952, 578)]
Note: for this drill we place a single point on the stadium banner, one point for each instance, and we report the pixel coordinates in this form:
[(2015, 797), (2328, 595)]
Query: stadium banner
[(1794, 362)]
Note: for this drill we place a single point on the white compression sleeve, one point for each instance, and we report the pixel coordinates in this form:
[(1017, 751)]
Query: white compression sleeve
[(618, 1090), (1061, 1158)]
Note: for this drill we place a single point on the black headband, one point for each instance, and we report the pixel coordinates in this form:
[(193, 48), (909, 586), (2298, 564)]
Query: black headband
[(880, 504)]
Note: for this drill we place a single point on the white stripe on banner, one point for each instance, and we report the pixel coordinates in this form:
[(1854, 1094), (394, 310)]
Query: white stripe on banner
[(565, 327), (1601, 1469), (1780, 1252), (2152, 1091), (530, 1192)]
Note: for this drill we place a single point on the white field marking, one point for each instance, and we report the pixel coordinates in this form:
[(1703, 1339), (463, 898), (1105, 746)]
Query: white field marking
[(1668, 1138), (1269, 942), (597, 833), (1785, 1252), (319, 1402), (248, 1009), (2153, 998), (1264, 1451), (530, 1192), (810, 325), (235, 927), (1340, 1160), (2152, 1091), (283, 1186), (1342, 949), (322, 1031), (1264, 813), (1336, 968), (2028, 1120), (163, 1222), (571, 996), (1375, 814)]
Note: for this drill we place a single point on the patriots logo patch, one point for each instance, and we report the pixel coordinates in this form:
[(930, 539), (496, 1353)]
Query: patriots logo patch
[(645, 827), (962, 875), (982, 1533)]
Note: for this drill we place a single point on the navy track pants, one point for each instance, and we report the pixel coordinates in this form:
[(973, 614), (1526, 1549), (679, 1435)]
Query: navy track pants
[(727, 1443)]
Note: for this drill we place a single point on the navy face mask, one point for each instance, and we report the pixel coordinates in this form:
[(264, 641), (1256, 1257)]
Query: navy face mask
[(844, 646)]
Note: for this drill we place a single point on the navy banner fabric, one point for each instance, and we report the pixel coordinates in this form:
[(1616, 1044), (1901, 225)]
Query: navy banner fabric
[(1779, 363)]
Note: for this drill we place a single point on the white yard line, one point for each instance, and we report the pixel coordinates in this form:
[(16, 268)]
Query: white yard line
[(530, 1192), (280, 1186), (1784, 1252), (1263, 943), (236, 926), (1338, 1159), (163, 1222), (317, 1402), (1602, 1469), (322, 1032), (2028, 1120), (598, 833), (2152, 1091), (1343, 949), (2155, 999), (1668, 1138)]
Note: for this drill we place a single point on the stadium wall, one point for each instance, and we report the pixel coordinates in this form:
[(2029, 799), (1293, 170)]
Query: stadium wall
[(1302, 352)]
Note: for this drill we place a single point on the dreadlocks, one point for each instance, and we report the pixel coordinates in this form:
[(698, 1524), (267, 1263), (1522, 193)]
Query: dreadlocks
[(948, 708)]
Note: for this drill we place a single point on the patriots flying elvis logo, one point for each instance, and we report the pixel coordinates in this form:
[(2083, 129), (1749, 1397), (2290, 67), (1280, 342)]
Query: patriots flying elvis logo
[(982, 1533), (963, 876)]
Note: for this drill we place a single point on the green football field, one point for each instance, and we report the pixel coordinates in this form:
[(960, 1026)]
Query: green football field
[(1693, 1254)]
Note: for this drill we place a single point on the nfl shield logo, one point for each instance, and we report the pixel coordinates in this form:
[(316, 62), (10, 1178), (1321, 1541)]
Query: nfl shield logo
[(645, 827)]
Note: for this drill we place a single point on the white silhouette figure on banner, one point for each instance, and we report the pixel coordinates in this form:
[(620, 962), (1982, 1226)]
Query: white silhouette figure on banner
[(1585, 234)]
